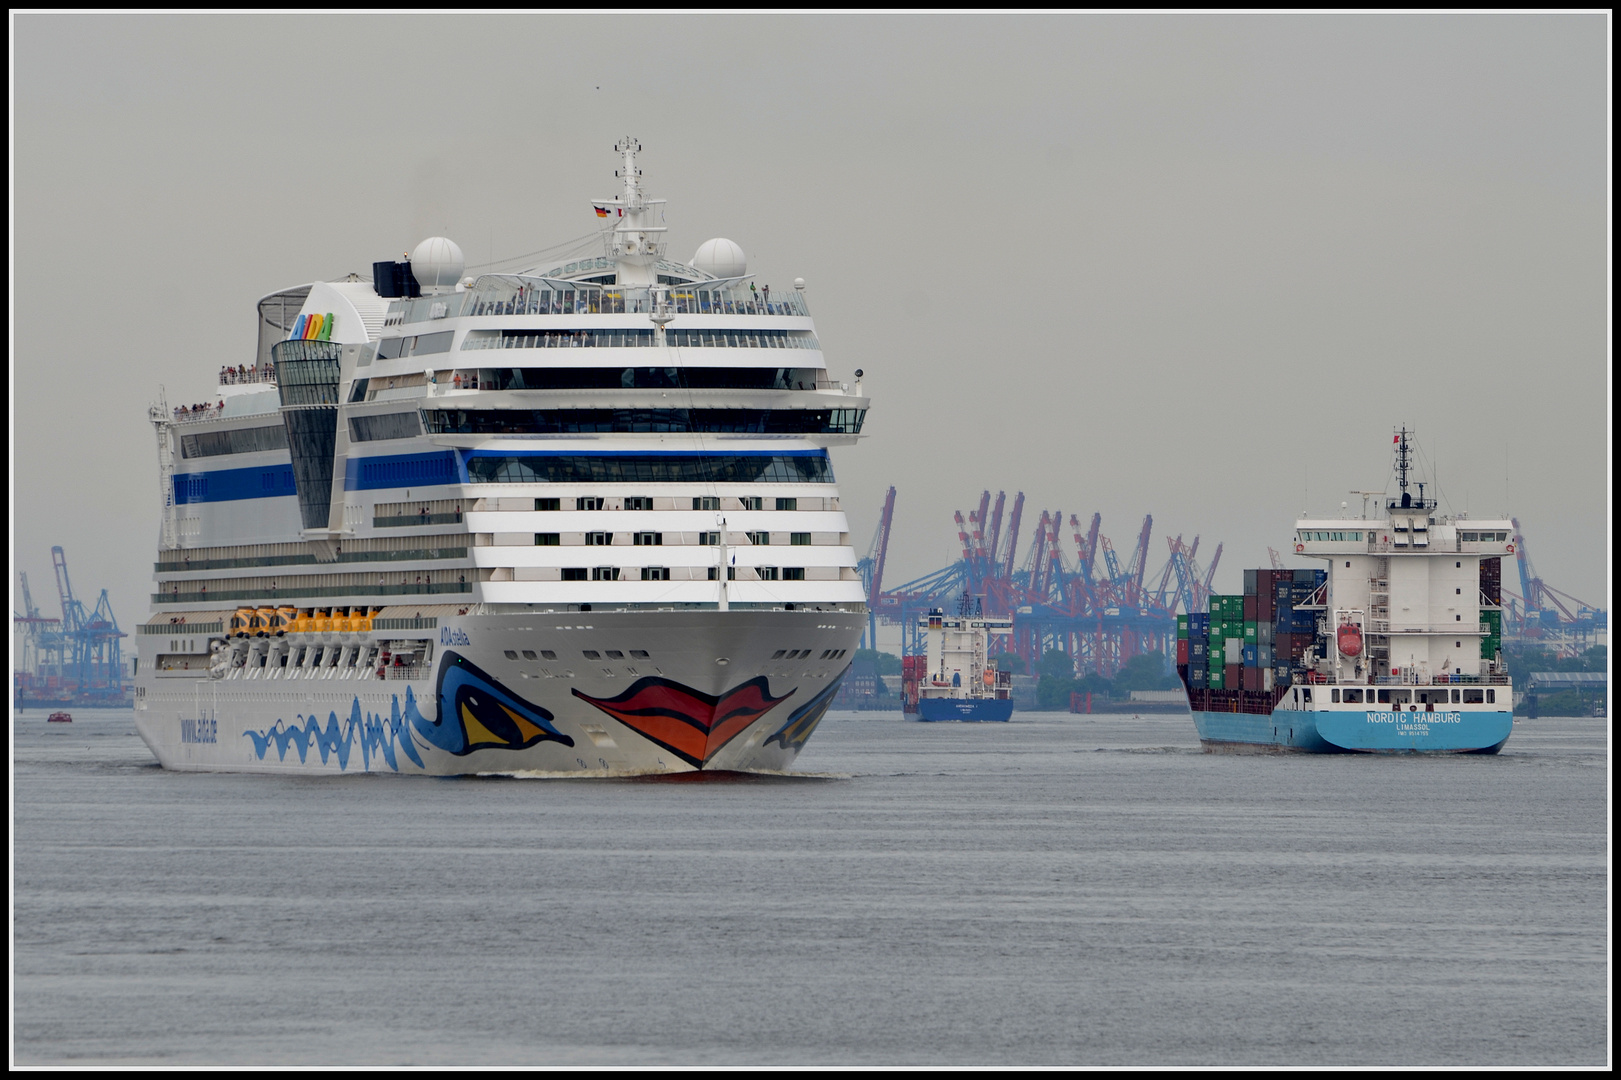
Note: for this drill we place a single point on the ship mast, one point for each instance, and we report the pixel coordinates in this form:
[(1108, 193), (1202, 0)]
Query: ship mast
[(1401, 460), (634, 244)]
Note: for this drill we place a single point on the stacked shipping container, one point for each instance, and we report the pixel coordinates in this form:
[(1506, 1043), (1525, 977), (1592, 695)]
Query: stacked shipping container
[(1491, 601), (1239, 654)]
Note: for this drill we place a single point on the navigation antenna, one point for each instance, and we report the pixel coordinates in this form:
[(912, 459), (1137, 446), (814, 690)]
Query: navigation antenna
[(1402, 451), (634, 243)]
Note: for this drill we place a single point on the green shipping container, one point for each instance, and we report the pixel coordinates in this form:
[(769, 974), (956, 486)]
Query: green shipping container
[(1218, 679), (1181, 627)]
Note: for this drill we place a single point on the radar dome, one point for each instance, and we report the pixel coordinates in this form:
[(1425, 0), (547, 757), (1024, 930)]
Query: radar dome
[(437, 264), (721, 258)]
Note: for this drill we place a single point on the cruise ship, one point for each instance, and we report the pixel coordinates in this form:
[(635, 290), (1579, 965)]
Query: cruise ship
[(1395, 646), (579, 519)]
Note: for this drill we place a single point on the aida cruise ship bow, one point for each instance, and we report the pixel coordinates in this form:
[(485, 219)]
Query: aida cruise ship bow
[(579, 518)]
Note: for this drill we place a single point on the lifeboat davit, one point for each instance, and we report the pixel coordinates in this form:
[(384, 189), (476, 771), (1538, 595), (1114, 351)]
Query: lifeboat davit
[(1350, 640)]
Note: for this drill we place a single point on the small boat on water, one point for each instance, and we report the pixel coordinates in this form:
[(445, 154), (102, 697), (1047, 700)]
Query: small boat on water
[(59, 718)]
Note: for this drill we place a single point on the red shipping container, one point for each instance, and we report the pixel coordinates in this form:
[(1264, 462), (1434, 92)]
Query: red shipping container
[(1249, 608), (1263, 607), (1233, 676), (1181, 650), (1252, 679)]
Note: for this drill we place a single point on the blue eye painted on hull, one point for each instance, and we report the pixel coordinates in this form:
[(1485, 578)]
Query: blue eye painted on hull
[(477, 714)]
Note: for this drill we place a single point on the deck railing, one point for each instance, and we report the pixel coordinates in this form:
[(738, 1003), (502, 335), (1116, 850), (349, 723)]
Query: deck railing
[(242, 376)]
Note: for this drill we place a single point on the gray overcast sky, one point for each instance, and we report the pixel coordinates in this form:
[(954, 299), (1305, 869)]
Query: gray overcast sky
[(1182, 265)]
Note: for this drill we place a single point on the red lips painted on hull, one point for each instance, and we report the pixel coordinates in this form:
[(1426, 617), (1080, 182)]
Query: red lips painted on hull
[(690, 724)]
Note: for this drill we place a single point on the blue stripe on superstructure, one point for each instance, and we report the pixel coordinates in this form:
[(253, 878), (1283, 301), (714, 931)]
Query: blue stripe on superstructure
[(229, 485), (450, 467), (645, 453), (403, 470)]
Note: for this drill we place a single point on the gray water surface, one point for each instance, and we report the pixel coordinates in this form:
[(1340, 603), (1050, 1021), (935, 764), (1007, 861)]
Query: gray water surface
[(1061, 889)]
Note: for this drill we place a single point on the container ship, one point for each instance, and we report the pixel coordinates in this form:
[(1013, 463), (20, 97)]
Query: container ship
[(956, 679), (1395, 646), (578, 518)]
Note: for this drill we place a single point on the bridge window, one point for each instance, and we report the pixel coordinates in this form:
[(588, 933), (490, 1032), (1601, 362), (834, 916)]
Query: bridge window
[(792, 468)]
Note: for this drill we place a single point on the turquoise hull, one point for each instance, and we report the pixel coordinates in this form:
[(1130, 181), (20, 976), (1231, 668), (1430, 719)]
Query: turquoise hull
[(1357, 731)]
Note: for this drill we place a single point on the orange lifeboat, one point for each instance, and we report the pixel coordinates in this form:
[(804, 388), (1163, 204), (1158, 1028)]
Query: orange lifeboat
[(1350, 640)]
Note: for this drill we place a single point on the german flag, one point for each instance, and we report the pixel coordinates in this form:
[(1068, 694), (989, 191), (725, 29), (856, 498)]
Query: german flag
[(602, 211)]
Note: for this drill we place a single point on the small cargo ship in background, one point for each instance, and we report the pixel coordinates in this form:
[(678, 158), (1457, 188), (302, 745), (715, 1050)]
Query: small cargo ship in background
[(957, 679), (59, 718), (1395, 647)]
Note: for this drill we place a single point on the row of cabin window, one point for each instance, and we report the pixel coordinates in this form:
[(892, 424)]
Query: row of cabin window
[(656, 539), (633, 502), (1357, 696), (589, 654), (662, 573)]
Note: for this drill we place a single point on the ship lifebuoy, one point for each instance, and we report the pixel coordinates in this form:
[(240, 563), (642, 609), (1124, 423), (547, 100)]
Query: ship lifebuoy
[(1300, 549), (1511, 549)]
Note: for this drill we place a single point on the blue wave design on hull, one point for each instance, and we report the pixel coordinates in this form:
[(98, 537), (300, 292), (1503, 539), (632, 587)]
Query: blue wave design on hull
[(375, 735)]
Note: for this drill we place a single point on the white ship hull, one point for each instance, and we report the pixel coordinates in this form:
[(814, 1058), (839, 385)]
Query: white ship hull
[(709, 696)]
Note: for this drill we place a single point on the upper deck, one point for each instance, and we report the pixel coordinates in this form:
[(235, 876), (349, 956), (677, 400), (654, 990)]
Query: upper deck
[(1437, 536)]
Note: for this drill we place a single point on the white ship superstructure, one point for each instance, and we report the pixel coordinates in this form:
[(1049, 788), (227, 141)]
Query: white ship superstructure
[(580, 517)]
